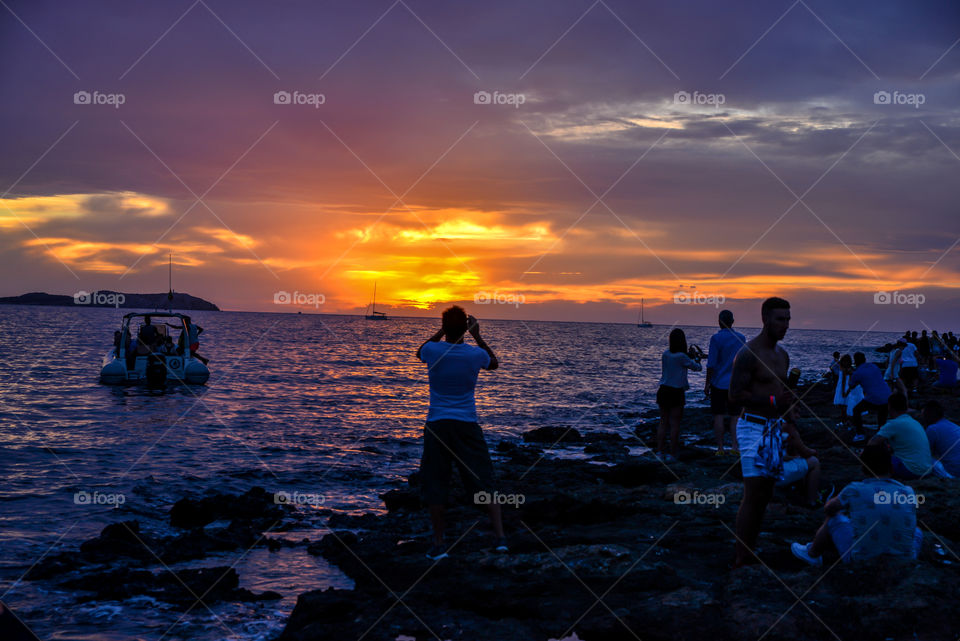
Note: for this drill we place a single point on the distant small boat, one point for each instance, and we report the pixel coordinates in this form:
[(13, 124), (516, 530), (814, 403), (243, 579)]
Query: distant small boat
[(641, 322), (374, 314)]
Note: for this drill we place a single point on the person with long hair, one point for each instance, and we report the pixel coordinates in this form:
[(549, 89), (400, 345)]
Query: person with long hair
[(671, 395)]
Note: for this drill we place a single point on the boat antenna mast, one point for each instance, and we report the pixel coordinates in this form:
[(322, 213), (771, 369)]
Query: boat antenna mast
[(170, 283)]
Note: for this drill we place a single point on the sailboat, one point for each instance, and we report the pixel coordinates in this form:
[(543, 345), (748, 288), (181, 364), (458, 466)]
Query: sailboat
[(641, 322), (374, 314)]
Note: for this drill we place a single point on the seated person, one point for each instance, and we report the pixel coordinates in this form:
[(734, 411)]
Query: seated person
[(947, 368), (869, 518), (911, 457), (168, 348), (798, 468), (944, 437), (869, 378)]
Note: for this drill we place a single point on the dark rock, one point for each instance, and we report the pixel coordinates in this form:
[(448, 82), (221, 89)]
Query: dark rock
[(255, 505), (401, 500), (180, 587), (552, 435), (118, 540), (602, 437), (638, 473)]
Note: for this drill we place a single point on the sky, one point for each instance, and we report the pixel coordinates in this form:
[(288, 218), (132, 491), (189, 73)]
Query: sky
[(544, 159)]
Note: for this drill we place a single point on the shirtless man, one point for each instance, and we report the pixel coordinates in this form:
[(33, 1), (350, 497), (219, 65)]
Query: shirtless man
[(757, 385)]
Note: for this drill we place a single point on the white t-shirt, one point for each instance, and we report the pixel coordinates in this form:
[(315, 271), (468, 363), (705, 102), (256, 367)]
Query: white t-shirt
[(909, 357), (453, 370)]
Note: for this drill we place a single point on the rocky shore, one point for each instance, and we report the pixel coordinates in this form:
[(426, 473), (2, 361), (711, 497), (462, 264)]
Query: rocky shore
[(605, 543), (625, 550)]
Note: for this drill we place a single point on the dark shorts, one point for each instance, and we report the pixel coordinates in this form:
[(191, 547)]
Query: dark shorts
[(670, 397), (909, 373), (447, 442), (719, 401)]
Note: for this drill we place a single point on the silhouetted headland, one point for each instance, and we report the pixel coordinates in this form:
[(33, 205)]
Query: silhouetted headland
[(104, 298)]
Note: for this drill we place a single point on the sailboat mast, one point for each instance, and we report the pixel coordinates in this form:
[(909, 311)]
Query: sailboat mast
[(170, 283), (374, 297)]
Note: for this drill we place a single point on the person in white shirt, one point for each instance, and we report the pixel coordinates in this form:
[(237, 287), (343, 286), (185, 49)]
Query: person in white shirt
[(671, 395), (452, 434)]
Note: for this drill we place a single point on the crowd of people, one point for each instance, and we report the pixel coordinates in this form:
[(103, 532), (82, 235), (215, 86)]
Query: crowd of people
[(752, 392), (154, 341)]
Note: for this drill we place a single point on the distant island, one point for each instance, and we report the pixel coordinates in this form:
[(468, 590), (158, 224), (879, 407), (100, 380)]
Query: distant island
[(104, 298)]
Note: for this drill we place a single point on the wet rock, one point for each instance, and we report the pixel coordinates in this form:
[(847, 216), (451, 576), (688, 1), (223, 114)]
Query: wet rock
[(255, 505), (401, 500), (551, 435), (183, 587)]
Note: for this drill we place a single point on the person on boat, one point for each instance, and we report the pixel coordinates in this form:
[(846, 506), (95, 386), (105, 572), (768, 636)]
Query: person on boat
[(193, 337), (452, 434), (168, 348), (724, 346), (148, 334), (758, 385)]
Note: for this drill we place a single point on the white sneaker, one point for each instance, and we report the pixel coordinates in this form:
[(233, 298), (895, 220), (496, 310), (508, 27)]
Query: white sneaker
[(802, 552)]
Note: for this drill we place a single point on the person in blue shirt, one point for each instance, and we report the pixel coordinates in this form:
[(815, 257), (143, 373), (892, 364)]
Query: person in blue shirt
[(947, 369), (875, 394), (944, 437), (451, 434), (869, 518), (724, 345)]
